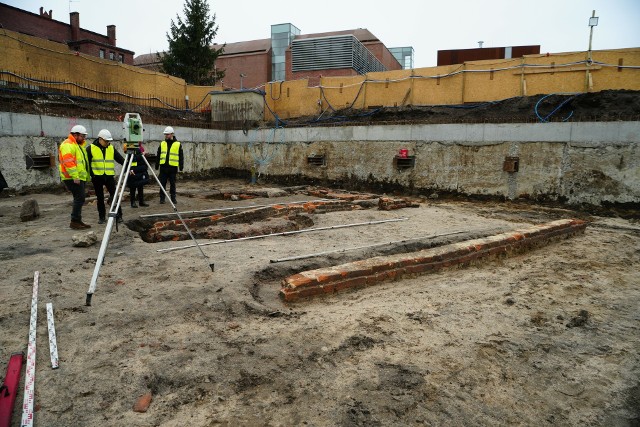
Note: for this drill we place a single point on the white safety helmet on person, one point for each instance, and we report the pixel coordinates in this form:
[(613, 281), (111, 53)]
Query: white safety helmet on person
[(79, 129), (168, 130), (105, 134)]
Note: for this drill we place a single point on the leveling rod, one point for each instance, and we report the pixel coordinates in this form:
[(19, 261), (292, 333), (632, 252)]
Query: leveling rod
[(30, 376), (53, 343), (285, 233)]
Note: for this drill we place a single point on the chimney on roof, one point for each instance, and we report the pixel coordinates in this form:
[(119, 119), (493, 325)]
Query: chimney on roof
[(44, 14), (111, 34), (74, 19)]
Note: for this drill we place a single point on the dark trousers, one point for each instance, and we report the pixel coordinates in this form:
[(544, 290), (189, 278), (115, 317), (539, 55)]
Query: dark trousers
[(78, 198), (170, 175), (99, 182), (132, 193)]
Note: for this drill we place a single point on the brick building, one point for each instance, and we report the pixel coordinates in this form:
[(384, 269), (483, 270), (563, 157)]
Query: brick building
[(288, 55), (460, 56), (78, 39)]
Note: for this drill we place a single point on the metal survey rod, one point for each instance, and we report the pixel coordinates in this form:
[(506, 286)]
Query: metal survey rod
[(285, 233), (211, 265), (361, 247), (234, 208)]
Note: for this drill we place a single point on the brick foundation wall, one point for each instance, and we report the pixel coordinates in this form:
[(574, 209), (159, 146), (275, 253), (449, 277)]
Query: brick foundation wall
[(375, 270), (173, 229)]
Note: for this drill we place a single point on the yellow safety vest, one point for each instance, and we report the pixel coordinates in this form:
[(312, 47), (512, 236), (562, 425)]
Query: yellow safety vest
[(102, 165), (174, 153), (73, 160)]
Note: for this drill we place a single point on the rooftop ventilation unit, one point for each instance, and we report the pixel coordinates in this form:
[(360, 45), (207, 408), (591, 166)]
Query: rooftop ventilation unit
[(333, 52)]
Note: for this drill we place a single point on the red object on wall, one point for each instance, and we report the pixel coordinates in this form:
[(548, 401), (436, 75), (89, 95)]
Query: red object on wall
[(403, 153), (9, 388)]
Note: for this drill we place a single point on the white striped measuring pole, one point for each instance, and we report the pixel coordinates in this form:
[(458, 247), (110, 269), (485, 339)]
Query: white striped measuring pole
[(53, 345), (29, 382)]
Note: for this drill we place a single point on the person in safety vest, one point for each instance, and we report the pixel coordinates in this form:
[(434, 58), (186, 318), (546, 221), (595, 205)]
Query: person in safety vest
[(169, 160), (74, 171), (102, 157)]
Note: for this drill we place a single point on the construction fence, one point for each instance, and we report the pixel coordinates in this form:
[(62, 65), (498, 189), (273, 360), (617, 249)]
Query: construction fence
[(34, 64), (468, 83)]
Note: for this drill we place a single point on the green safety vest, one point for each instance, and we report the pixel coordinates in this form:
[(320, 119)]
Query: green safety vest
[(102, 165), (174, 153)]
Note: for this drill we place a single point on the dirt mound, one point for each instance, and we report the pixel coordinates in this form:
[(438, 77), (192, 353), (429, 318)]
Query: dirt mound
[(609, 105)]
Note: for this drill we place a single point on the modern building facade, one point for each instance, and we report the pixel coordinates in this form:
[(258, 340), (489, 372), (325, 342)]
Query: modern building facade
[(78, 39), (404, 55), (460, 56), (290, 55)]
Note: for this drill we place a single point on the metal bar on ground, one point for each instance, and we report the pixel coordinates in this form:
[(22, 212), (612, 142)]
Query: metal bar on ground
[(53, 345), (230, 209), (175, 209), (285, 233), (361, 247), (30, 377)]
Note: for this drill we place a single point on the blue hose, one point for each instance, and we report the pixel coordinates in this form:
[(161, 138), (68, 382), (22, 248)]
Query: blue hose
[(546, 118)]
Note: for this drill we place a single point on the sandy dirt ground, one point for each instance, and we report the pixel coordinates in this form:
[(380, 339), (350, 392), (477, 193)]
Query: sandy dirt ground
[(548, 337)]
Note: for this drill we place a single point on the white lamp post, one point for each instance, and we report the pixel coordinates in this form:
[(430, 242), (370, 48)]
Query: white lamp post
[(593, 22)]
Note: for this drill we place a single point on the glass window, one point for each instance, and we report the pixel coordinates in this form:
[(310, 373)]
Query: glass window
[(280, 43), (111, 56), (102, 53)]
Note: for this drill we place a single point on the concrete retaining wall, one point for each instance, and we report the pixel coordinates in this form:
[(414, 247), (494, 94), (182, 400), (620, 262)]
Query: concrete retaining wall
[(573, 162)]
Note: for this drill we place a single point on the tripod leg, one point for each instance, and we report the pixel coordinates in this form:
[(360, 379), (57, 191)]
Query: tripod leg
[(113, 212), (211, 265)]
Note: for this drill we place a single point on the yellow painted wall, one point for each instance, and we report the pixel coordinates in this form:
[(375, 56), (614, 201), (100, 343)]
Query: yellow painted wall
[(26, 57), (39, 59), (292, 99), (437, 85), (490, 80), (564, 77), (391, 88), (342, 92), (199, 97)]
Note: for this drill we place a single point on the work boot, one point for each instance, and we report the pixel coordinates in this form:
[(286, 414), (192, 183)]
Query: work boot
[(134, 204), (143, 204), (101, 221), (78, 225), (162, 201), (173, 199)]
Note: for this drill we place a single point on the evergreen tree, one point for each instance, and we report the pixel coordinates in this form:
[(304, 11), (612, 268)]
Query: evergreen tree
[(190, 55)]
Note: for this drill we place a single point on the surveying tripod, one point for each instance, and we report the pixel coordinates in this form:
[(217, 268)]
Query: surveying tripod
[(133, 124)]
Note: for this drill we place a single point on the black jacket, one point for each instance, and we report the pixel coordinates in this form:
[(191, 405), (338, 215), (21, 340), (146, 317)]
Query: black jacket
[(140, 170), (116, 155), (165, 166)]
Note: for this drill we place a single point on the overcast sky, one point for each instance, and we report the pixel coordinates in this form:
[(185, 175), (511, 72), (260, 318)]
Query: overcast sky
[(426, 25)]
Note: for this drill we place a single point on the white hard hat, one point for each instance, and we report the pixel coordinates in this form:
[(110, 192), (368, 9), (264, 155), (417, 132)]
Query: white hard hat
[(168, 130), (79, 129), (105, 134)]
